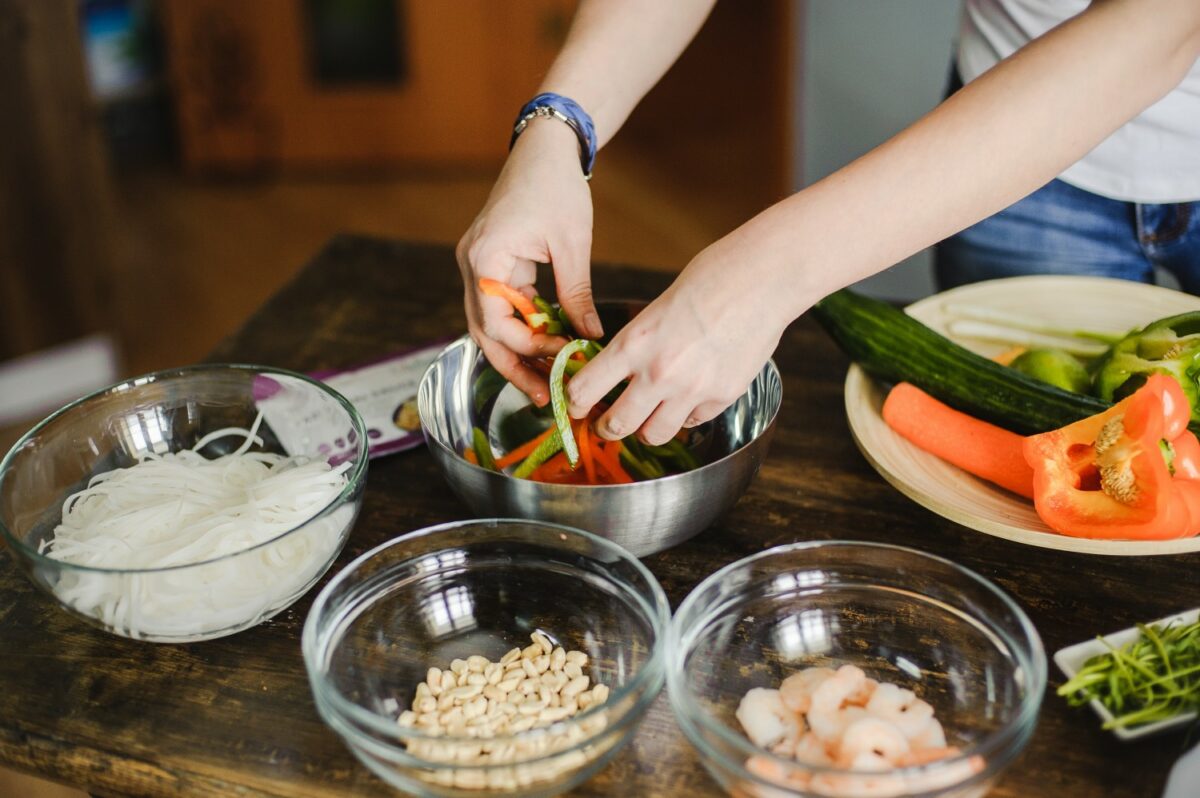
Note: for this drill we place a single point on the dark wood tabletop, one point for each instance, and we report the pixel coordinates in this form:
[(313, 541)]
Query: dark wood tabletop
[(235, 717)]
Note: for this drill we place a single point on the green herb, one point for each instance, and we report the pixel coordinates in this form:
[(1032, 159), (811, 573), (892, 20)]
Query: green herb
[(1152, 678)]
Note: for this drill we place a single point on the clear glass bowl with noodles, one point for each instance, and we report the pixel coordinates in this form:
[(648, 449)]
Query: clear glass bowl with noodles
[(193, 588)]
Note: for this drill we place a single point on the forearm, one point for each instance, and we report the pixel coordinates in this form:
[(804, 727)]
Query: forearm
[(1001, 137), (617, 50)]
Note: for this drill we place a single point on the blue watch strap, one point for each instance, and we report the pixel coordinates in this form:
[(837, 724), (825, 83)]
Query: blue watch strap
[(565, 110)]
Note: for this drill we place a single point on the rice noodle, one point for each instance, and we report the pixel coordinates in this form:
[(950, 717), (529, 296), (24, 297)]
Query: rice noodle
[(184, 509)]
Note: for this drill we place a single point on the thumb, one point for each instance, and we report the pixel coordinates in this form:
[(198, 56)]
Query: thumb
[(572, 280)]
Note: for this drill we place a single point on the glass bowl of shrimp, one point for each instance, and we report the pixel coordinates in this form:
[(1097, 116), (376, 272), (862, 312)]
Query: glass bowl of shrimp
[(846, 669)]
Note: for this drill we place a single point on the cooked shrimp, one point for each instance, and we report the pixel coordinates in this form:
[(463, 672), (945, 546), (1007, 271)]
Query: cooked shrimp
[(863, 694), (873, 736), (812, 750), (764, 717), (901, 708), (931, 735), (948, 775), (773, 771), (797, 689), (828, 715), (858, 785), (923, 756)]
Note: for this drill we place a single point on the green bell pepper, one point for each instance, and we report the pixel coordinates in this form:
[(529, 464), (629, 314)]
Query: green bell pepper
[(1168, 346)]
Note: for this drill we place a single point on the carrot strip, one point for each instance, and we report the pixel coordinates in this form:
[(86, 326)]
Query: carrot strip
[(1006, 357), (470, 457), (977, 447), (523, 304), (585, 451), (524, 450)]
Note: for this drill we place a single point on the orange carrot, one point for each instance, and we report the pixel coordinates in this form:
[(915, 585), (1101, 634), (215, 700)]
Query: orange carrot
[(523, 304), (470, 457), (524, 450), (585, 451), (1006, 357), (977, 447)]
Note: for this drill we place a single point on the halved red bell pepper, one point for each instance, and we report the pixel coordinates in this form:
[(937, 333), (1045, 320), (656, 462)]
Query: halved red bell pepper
[(1106, 476)]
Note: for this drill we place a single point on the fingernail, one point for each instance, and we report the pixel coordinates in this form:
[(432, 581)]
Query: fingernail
[(592, 322)]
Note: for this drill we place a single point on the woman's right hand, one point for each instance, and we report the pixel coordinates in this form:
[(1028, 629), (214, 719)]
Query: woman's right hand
[(539, 211)]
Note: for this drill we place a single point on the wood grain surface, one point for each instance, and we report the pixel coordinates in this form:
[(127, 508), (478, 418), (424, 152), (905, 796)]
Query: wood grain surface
[(235, 717)]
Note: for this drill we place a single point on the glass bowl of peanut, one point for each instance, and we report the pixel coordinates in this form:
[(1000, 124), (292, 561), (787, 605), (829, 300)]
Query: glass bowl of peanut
[(492, 657)]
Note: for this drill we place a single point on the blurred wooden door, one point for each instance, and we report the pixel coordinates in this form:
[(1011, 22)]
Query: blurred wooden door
[(57, 278), (245, 81)]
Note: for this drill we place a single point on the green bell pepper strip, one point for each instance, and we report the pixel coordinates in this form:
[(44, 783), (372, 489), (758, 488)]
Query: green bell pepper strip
[(487, 387), (546, 323), (545, 450), (543, 306), (643, 464), (558, 397), (483, 449), (1168, 346), (676, 452)]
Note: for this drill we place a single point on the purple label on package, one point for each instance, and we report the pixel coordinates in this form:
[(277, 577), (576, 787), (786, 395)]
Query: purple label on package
[(383, 391)]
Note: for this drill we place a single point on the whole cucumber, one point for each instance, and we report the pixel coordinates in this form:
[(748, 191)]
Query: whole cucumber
[(894, 347)]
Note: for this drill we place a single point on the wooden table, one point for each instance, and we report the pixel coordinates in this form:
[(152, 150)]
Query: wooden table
[(235, 717)]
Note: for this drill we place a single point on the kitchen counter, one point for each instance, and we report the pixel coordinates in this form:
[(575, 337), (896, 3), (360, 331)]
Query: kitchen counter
[(235, 717)]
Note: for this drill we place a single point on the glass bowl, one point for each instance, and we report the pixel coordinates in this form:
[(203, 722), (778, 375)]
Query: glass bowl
[(481, 588), (170, 411), (643, 517), (902, 616)]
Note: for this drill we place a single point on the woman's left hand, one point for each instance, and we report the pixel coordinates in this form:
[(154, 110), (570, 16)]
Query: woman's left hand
[(688, 355)]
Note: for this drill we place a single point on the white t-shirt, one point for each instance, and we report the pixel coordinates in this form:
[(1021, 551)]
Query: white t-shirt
[(1153, 158)]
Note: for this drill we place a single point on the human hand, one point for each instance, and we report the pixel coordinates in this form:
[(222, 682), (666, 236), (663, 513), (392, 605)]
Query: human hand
[(688, 355), (539, 211)]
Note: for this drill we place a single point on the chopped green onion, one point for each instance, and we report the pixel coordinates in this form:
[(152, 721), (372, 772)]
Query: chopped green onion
[(1152, 678)]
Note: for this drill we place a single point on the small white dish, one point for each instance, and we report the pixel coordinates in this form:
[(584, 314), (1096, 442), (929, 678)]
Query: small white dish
[(1071, 659)]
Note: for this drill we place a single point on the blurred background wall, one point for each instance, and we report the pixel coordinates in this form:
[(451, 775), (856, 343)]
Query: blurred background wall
[(169, 163), (866, 69), (166, 165)]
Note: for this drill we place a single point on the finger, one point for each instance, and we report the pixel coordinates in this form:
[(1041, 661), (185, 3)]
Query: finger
[(629, 412), (515, 370), (572, 280), (595, 380), (665, 422), (703, 413), (500, 325)]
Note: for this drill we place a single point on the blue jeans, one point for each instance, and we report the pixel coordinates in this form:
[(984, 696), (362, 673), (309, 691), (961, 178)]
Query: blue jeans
[(1061, 229)]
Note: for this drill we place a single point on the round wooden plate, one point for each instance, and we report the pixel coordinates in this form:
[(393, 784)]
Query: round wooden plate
[(1086, 303)]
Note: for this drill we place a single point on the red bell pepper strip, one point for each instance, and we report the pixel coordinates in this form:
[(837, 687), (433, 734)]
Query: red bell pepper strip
[(1185, 461), (1106, 476), (585, 451)]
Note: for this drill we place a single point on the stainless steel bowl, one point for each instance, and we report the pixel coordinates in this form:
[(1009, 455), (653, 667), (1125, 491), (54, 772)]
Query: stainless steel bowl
[(643, 517)]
